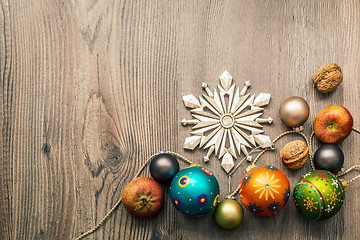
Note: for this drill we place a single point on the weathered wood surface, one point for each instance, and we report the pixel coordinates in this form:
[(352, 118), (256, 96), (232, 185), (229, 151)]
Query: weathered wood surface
[(90, 89)]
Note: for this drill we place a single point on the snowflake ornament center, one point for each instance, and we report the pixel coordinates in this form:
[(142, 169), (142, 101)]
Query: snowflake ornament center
[(227, 121)]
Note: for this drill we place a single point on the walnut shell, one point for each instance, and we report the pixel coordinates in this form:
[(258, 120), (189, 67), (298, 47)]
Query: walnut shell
[(327, 77), (295, 154)]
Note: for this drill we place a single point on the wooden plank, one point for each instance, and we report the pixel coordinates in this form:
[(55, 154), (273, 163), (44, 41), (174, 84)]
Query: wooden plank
[(90, 89)]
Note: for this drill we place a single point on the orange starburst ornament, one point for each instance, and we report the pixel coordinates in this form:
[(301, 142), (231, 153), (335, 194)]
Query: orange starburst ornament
[(265, 190)]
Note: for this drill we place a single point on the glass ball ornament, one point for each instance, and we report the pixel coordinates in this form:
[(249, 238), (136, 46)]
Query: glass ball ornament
[(329, 157), (228, 214), (264, 190), (319, 195), (163, 167), (294, 111), (194, 191)]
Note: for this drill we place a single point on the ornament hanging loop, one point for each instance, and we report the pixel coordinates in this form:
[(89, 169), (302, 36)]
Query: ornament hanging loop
[(298, 129), (232, 195), (356, 167)]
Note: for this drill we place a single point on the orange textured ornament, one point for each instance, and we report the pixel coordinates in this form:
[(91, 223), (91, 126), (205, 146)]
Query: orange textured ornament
[(265, 190)]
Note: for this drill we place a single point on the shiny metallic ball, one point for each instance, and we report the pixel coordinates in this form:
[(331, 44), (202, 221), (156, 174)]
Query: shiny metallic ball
[(164, 167), (229, 214), (329, 157), (294, 111)]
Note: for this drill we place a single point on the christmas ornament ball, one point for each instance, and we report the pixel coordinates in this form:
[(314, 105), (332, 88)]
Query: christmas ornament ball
[(264, 190), (228, 214), (294, 111), (329, 157), (194, 191), (318, 195), (163, 167)]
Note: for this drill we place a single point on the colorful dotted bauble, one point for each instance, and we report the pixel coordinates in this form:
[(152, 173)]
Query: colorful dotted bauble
[(264, 190), (319, 195), (194, 191)]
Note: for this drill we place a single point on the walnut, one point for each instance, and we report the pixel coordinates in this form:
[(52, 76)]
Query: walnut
[(295, 154), (327, 77)]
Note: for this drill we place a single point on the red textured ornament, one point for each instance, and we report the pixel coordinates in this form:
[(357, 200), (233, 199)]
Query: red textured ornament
[(264, 190)]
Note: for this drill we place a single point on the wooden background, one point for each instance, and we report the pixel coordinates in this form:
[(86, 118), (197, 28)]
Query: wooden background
[(91, 88)]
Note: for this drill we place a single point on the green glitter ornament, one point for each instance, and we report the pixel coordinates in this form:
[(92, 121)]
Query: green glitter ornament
[(319, 195)]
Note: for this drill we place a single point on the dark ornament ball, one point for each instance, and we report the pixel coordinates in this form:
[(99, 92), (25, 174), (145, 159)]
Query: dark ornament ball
[(329, 157), (164, 167)]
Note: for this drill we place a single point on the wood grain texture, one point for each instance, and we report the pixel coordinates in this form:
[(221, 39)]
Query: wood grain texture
[(90, 89)]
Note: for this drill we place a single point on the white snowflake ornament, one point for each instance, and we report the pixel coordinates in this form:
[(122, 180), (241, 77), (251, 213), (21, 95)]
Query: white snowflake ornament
[(227, 121)]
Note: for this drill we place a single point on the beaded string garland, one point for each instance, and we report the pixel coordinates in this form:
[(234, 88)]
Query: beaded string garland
[(264, 190), (235, 207)]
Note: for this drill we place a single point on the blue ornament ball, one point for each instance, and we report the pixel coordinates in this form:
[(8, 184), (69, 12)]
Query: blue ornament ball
[(194, 191)]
